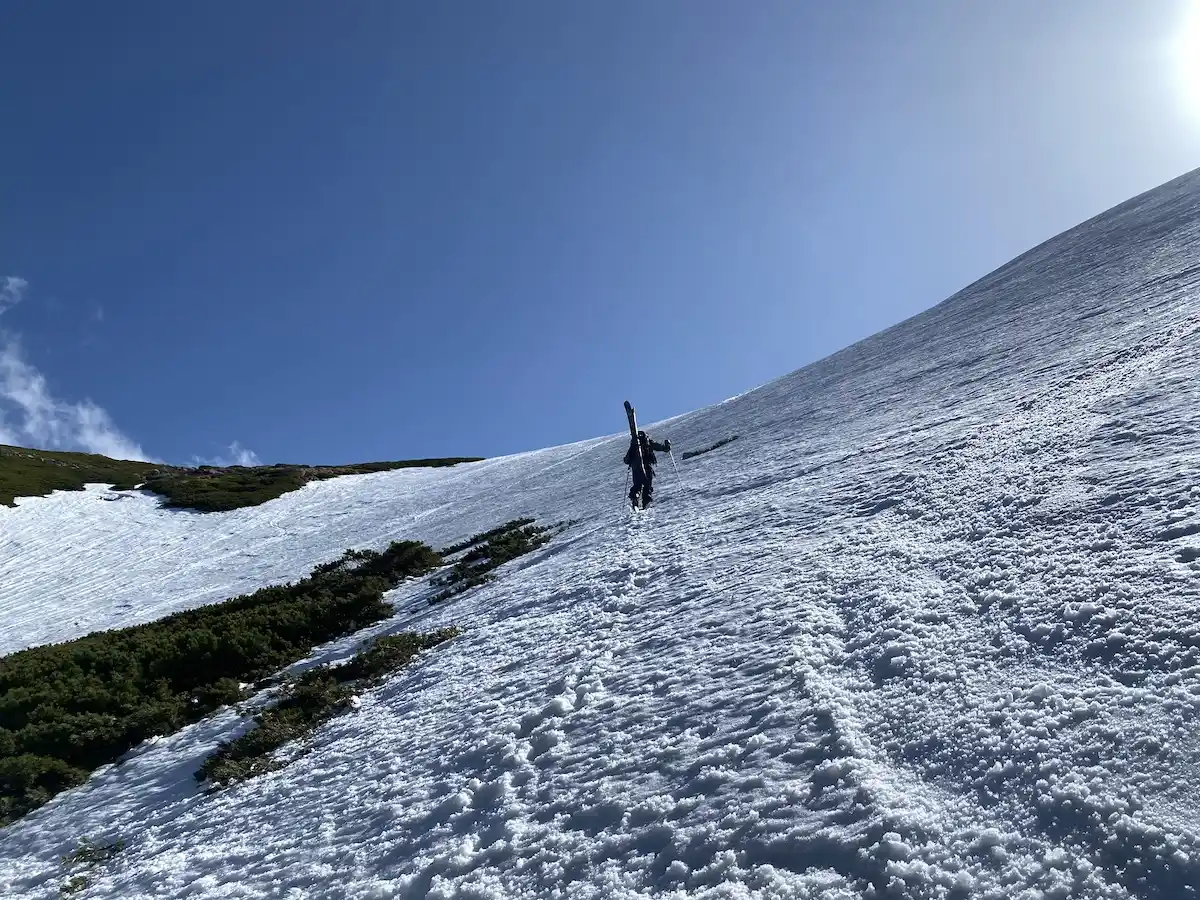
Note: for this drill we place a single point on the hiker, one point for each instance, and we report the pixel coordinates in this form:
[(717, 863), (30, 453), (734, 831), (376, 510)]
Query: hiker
[(643, 484)]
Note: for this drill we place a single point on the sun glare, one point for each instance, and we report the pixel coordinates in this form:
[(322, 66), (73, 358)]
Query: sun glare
[(1187, 55)]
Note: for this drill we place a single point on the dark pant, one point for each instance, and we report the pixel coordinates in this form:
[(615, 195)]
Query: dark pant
[(642, 486)]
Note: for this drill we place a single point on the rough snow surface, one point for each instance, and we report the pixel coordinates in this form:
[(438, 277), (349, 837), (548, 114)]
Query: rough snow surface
[(928, 629)]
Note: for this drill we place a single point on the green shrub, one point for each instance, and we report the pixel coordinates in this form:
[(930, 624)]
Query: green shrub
[(222, 692), (67, 708), (315, 697), (487, 552), (89, 853), (28, 781), (73, 885), (389, 654), (485, 536)]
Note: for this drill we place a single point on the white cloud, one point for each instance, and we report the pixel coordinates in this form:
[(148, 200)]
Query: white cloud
[(30, 415), (11, 291), (237, 456)]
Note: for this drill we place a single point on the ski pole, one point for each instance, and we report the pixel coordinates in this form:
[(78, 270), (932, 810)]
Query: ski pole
[(625, 490), (679, 477)]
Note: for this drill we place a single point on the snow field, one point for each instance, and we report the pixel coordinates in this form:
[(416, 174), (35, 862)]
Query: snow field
[(927, 629)]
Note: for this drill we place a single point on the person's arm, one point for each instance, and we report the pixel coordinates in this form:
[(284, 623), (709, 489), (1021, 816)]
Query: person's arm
[(664, 447)]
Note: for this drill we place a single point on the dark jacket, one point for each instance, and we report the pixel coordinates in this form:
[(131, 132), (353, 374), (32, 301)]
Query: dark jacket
[(648, 448)]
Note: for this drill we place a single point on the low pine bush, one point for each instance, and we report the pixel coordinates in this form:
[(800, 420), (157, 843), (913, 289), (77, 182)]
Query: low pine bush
[(68, 708), (488, 551), (314, 698)]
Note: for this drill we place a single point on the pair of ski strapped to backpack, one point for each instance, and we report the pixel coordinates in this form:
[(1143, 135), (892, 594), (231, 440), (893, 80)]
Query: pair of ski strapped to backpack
[(638, 460)]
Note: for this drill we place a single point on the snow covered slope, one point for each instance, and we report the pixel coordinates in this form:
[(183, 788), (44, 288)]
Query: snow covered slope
[(927, 629)]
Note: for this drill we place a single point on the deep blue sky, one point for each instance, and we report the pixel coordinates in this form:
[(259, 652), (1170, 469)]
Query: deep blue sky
[(353, 231)]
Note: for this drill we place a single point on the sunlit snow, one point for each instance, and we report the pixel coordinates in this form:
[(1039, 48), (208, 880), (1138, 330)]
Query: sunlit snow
[(928, 628)]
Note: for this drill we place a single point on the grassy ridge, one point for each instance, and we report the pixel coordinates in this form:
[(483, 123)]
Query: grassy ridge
[(220, 490), (36, 473)]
